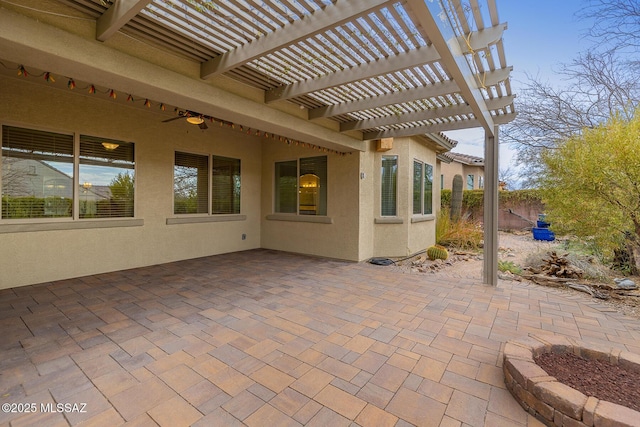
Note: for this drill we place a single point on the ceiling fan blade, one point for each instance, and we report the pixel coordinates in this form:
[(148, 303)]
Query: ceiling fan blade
[(172, 119)]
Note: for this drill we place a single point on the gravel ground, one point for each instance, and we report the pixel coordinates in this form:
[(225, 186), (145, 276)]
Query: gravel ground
[(513, 247)]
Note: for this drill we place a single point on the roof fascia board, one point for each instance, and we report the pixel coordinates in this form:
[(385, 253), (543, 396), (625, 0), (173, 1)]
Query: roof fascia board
[(443, 158), (413, 58), (435, 113), (423, 92), (445, 143), (452, 57), (330, 17), (439, 127), (30, 42), (117, 16)]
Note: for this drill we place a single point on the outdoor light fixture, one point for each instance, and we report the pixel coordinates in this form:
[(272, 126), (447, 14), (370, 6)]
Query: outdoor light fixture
[(195, 120), (110, 145)]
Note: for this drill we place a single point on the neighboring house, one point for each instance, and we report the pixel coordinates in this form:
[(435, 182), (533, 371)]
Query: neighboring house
[(224, 150), (471, 168)]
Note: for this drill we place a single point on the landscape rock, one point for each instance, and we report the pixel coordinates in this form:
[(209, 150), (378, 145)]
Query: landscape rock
[(626, 284)]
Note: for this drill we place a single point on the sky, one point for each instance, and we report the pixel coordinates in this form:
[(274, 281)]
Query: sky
[(541, 35)]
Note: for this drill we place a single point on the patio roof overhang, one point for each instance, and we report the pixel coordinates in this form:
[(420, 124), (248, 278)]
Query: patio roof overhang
[(356, 69), (378, 68)]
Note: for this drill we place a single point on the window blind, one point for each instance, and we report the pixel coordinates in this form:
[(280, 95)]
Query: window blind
[(106, 178), (37, 174), (389, 185), (190, 183), (428, 190), (417, 187), (225, 190), (286, 191)]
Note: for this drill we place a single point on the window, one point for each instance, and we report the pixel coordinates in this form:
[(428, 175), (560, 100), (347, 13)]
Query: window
[(389, 185), (417, 187), (191, 184), (301, 186), (469, 182), (106, 178), (481, 182), (441, 181), (38, 176), (225, 192), (422, 188)]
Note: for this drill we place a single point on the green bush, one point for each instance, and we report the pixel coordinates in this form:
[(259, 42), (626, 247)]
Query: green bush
[(509, 266)]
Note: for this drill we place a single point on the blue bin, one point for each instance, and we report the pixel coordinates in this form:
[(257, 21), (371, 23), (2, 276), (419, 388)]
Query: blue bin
[(543, 224), (540, 233)]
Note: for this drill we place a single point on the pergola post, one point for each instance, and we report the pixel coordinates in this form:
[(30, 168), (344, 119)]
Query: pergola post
[(490, 270)]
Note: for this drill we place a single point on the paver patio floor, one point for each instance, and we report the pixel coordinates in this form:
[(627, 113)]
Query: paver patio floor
[(264, 338)]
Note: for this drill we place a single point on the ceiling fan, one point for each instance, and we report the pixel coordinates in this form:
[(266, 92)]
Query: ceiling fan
[(191, 117)]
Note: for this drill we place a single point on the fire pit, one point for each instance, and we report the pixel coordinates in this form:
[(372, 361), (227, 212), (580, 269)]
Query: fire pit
[(555, 403)]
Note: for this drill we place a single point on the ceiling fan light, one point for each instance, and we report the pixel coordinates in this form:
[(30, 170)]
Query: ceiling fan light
[(110, 145), (196, 120)]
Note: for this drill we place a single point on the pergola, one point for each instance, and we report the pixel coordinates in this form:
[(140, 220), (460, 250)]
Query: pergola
[(374, 68)]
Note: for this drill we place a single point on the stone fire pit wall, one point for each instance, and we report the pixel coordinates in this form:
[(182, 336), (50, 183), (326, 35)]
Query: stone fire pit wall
[(554, 403)]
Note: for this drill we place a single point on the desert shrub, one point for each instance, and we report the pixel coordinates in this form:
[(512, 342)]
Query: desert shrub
[(461, 234), (509, 266), (591, 266)]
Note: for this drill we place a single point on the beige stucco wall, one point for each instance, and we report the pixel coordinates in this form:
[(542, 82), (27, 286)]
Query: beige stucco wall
[(353, 195), (34, 251), (369, 200), (337, 239), (449, 170), (33, 257), (405, 233), (422, 234)]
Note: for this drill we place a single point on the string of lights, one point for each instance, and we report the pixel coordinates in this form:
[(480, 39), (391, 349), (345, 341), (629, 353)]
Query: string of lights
[(111, 93)]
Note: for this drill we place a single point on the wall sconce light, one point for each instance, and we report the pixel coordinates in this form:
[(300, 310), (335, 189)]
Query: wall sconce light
[(110, 146)]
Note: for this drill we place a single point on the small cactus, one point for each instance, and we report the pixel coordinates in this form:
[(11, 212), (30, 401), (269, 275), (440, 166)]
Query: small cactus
[(437, 252)]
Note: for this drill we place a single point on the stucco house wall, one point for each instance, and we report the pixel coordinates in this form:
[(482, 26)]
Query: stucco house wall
[(458, 167), (78, 249), (41, 250), (334, 235)]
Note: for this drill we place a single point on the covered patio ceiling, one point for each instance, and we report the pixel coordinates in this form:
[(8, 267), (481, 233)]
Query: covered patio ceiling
[(378, 68)]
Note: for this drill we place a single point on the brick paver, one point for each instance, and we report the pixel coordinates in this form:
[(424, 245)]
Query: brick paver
[(264, 338)]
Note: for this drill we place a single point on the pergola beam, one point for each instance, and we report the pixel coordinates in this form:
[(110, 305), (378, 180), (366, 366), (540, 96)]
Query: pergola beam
[(330, 17), (490, 78), (400, 62), (117, 16), (457, 110), (414, 94), (420, 56), (437, 127), (490, 215), (452, 56)]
